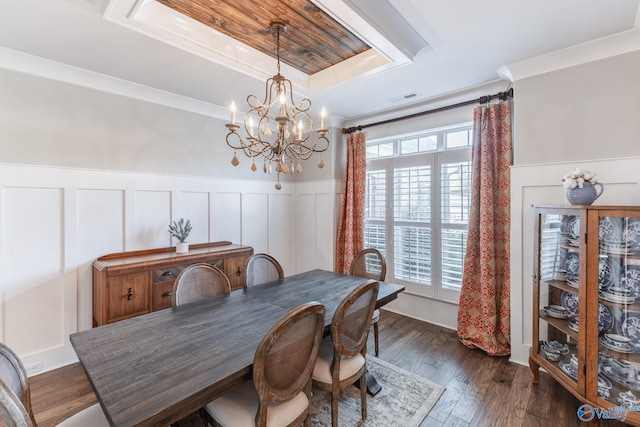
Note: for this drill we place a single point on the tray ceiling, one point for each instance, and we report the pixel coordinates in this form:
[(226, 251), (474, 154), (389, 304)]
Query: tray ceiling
[(319, 50), (313, 42)]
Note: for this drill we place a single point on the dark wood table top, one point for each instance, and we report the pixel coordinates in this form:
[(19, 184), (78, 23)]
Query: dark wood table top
[(158, 368)]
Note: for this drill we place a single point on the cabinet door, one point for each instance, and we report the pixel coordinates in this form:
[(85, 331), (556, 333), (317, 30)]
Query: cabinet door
[(234, 268), (618, 327), (128, 296), (560, 317)]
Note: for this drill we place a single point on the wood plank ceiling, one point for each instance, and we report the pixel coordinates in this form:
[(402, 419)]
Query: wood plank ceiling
[(314, 41)]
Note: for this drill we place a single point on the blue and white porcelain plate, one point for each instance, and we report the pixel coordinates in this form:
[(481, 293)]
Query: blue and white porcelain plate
[(574, 227), (572, 265), (610, 229), (629, 326), (605, 319), (632, 233), (607, 272), (569, 369), (630, 279), (570, 302)]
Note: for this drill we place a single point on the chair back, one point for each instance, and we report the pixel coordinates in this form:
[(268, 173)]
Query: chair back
[(15, 398), (284, 361), (263, 268), (199, 281), (369, 263), (350, 325)]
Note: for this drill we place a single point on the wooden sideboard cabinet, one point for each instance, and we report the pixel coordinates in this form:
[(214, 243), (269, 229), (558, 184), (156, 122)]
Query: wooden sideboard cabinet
[(128, 284)]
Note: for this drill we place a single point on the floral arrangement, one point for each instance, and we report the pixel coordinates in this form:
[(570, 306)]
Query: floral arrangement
[(180, 229), (578, 177)]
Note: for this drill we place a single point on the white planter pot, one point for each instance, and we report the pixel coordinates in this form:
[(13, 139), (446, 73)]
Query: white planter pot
[(182, 248)]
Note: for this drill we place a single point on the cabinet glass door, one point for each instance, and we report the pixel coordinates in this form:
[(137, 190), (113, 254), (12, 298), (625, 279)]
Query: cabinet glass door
[(619, 311), (559, 286)]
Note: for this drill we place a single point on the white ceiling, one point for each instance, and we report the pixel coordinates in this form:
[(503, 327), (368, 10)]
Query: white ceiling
[(468, 41)]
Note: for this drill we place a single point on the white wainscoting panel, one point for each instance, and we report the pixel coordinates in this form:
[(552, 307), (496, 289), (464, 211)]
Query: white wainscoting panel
[(255, 220), (54, 222), (324, 231), (225, 217), (539, 185), (281, 230), (316, 216), (194, 206), (100, 231), (305, 238), (152, 217), (33, 259)]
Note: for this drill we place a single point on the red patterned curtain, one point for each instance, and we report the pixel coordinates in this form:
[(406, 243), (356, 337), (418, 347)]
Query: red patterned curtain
[(483, 313), (351, 225)]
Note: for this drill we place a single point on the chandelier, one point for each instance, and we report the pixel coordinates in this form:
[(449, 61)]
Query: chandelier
[(277, 128)]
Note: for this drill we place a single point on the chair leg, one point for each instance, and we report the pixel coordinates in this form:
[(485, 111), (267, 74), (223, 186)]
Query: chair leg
[(363, 396), (375, 338), (335, 394)]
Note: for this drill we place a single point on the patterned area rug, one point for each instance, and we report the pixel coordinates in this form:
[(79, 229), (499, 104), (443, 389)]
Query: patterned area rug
[(404, 401)]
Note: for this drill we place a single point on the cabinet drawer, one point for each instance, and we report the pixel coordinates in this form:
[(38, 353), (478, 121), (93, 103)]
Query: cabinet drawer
[(162, 295), (167, 274), (128, 296)]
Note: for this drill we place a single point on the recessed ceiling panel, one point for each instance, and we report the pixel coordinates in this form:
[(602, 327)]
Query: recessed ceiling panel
[(313, 42), (327, 44)]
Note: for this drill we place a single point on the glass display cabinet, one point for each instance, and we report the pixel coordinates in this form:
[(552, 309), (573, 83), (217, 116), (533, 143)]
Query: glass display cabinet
[(586, 321)]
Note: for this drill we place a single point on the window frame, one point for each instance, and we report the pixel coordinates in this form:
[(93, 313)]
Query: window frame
[(435, 159)]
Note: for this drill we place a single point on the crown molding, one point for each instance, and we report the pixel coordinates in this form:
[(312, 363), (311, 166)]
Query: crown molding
[(41, 67), (606, 47)]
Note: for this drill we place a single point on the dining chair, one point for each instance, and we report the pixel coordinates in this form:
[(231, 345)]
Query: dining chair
[(263, 268), (199, 281), (15, 397), (280, 393), (342, 355), (370, 263)]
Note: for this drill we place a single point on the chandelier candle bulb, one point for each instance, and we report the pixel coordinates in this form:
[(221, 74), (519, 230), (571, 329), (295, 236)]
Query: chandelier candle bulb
[(323, 114), (232, 107)]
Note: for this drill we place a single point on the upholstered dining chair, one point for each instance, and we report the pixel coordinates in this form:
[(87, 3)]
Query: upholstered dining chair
[(199, 281), (263, 268), (15, 397), (342, 356), (280, 393), (370, 263)]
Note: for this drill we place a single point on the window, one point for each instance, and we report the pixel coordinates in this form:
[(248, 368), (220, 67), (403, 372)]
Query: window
[(417, 208)]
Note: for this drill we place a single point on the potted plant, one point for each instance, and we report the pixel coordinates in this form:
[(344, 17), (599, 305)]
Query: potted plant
[(180, 230)]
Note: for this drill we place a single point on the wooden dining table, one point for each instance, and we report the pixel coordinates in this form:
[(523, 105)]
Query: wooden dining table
[(155, 369)]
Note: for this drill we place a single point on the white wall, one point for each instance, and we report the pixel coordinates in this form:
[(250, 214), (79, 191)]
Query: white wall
[(87, 171), (55, 221), (587, 116), (584, 112)]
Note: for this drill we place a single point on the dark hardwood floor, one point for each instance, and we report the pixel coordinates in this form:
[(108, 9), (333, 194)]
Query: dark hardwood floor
[(480, 390)]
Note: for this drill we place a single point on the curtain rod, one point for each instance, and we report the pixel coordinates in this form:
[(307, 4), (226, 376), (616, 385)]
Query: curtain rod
[(482, 100)]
